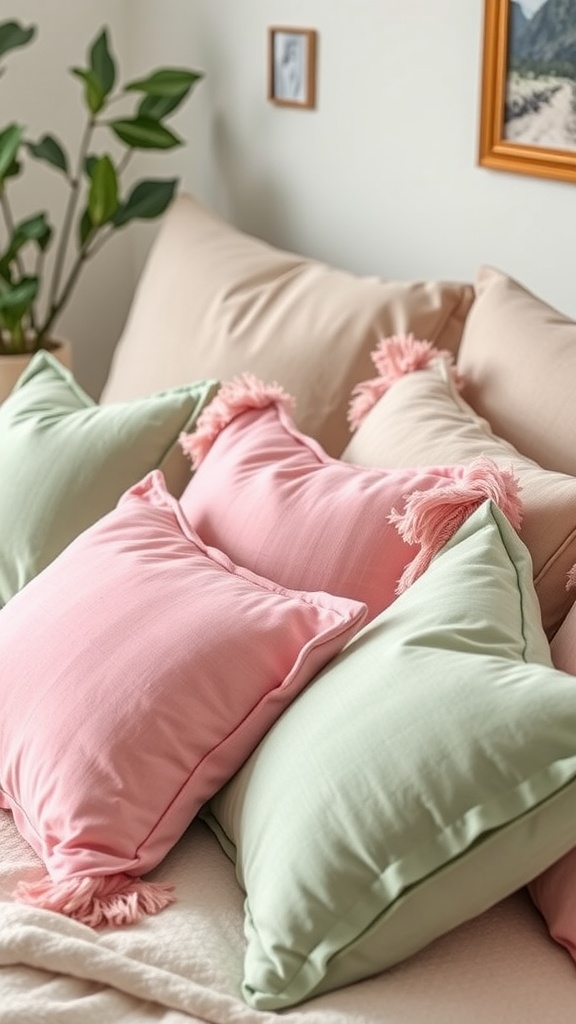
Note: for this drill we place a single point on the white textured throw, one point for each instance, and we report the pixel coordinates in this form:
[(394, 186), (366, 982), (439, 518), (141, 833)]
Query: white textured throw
[(184, 965)]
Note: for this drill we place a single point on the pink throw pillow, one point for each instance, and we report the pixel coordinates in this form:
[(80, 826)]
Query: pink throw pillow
[(139, 671), (554, 891), (274, 500)]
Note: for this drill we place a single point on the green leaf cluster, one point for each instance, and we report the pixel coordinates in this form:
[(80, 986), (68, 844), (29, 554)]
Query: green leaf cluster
[(98, 203)]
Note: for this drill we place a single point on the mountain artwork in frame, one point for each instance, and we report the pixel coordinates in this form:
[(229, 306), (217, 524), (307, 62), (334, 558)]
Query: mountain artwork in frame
[(528, 99)]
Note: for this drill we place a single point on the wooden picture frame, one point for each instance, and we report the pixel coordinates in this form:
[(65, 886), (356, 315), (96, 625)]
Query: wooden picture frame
[(522, 129), (292, 66)]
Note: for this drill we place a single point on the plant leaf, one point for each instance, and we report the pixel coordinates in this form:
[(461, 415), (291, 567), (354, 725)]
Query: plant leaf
[(93, 94), (166, 82), (33, 229), (10, 140), (49, 150), (12, 172), (144, 133), (19, 297), (103, 193), (157, 107), (13, 35), (89, 164), (147, 200), (102, 63), (85, 229)]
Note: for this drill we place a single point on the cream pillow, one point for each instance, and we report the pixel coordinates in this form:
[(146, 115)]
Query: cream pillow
[(518, 359), (215, 301), (422, 420)]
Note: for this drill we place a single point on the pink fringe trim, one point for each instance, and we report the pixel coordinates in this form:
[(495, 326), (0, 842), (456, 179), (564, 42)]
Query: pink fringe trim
[(394, 357), (431, 518), (105, 900), (234, 397), (571, 579)]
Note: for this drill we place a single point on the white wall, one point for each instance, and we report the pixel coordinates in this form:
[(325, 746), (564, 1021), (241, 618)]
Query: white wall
[(380, 178)]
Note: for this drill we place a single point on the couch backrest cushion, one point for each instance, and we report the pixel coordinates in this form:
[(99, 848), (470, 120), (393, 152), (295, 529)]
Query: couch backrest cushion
[(518, 359), (215, 301)]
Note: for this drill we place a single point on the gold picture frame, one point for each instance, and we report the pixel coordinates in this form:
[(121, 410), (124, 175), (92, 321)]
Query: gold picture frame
[(292, 66), (509, 116)]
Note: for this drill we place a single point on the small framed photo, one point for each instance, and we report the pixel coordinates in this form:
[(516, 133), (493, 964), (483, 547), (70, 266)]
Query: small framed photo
[(292, 66)]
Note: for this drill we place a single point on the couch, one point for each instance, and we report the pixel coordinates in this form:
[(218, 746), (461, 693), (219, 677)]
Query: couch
[(288, 641)]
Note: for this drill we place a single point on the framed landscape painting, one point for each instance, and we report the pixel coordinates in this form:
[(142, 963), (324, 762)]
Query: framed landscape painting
[(528, 106)]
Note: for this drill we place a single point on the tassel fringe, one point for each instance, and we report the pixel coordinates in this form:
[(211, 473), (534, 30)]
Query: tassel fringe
[(105, 900), (431, 518), (571, 579), (394, 357), (234, 397), (364, 396)]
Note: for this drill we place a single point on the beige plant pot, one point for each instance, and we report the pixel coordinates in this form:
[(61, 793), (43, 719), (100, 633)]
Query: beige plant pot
[(12, 366)]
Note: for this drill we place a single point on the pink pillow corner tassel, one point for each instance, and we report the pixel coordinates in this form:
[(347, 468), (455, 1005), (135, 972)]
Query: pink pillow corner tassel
[(241, 394), (431, 518), (364, 397), (393, 358), (98, 901)]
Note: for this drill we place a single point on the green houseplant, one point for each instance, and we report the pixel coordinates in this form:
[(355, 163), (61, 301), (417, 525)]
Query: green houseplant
[(34, 290)]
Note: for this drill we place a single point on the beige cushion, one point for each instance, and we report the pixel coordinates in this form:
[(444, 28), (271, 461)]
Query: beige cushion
[(423, 420), (518, 356), (213, 301)]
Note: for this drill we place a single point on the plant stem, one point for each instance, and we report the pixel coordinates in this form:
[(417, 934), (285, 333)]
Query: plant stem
[(18, 337), (90, 248), (40, 261), (53, 303), (57, 305), (10, 227)]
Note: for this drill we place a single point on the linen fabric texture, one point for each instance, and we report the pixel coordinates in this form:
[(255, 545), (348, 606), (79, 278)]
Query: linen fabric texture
[(518, 361), (426, 773), (554, 891), (276, 502), (65, 461), (225, 302), (139, 670), (422, 419)]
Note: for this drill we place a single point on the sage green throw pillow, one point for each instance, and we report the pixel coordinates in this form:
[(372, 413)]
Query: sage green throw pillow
[(425, 774), (65, 460)]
